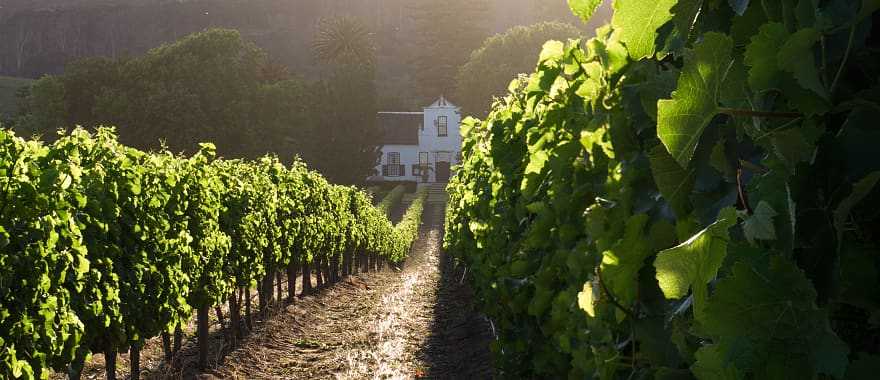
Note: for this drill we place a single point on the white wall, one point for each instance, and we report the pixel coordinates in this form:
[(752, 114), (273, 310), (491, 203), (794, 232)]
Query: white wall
[(428, 142), (409, 155), (428, 139)]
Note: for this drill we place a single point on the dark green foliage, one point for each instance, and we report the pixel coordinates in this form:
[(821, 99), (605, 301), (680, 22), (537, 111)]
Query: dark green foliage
[(214, 86), (689, 194), (9, 89), (447, 32), (490, 68)]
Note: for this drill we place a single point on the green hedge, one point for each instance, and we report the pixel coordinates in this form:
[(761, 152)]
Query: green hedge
[(407, 231), (391, 200)]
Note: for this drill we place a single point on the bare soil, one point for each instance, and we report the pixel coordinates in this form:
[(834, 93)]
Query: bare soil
[(414, 322)]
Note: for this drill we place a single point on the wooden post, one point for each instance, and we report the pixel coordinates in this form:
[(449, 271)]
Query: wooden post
[(261, 294), (356, 261), (328, 271), (307, 278), (278, 280), (166, 346), (249, 317), (366, 262), (202, 321), (319, 273), (220, 319), (178, 340), (74, 372), (110, 364), (135, 358), (265, 288), (291, 280), (334, 268), (234, 319)]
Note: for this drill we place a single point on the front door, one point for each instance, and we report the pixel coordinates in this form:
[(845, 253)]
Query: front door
[(443, 171)]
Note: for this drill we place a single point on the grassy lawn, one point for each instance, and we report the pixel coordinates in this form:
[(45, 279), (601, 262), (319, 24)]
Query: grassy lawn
[(8, 87)]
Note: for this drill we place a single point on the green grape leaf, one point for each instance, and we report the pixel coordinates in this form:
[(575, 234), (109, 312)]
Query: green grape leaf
[(712, 364), (759, 226), (771, 310), (760, 56), (777, 59), (552, 50), (675, 183), (584, 8), (796, 57), (622, 262), (860, 190), (743, 28), (792, 146), (587, 298), (802, 99), (638, 22), (718, 160), (694, 263), (682, 119)]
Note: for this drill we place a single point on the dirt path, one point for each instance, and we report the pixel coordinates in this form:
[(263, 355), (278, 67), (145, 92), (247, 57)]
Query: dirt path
[(418, 322), (414, 323)]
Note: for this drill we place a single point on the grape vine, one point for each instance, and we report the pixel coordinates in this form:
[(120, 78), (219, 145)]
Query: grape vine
[(103, 246), (691, 193)]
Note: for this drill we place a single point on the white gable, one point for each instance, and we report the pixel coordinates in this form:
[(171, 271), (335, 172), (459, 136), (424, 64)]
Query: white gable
[(435, 142), (442, 103)]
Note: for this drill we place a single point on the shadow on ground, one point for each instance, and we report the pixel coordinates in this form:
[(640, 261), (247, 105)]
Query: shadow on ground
[(458, 345)]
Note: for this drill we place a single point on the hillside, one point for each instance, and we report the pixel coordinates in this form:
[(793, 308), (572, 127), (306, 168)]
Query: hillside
[(8, 88), (44, 35)]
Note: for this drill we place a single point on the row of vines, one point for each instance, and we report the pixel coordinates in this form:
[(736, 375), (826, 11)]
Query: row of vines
[(691, 193), (103, 246)]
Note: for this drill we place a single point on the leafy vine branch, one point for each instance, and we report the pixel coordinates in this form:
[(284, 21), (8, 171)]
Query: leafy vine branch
[(612, 299)]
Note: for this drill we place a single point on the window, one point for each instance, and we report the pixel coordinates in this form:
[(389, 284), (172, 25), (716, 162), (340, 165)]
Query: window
[(393, 167), (393, 158), (442, 125), (422, 165)]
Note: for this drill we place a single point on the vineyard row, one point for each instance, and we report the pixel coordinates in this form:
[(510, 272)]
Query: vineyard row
[(103, 246), (693, 193)]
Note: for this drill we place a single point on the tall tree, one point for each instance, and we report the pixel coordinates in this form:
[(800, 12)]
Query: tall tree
[(490, 68), (41, 107), (447, 32), (204, 87), (345, 139)]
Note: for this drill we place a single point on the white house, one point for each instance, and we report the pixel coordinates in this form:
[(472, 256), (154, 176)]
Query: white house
[(416, 140)]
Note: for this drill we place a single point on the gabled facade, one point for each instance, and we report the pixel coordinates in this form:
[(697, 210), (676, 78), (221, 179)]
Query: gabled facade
[(418, 142)]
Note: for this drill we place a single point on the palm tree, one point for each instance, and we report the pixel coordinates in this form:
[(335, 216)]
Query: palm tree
[(346, 103), (344, 40)]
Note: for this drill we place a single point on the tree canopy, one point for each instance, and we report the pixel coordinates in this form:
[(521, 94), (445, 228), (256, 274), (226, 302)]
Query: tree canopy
[(490, 68), (215, 86), (447, 33)]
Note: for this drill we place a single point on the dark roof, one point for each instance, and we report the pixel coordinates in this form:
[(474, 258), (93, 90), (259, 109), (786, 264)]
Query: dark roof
[(400, 128)]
